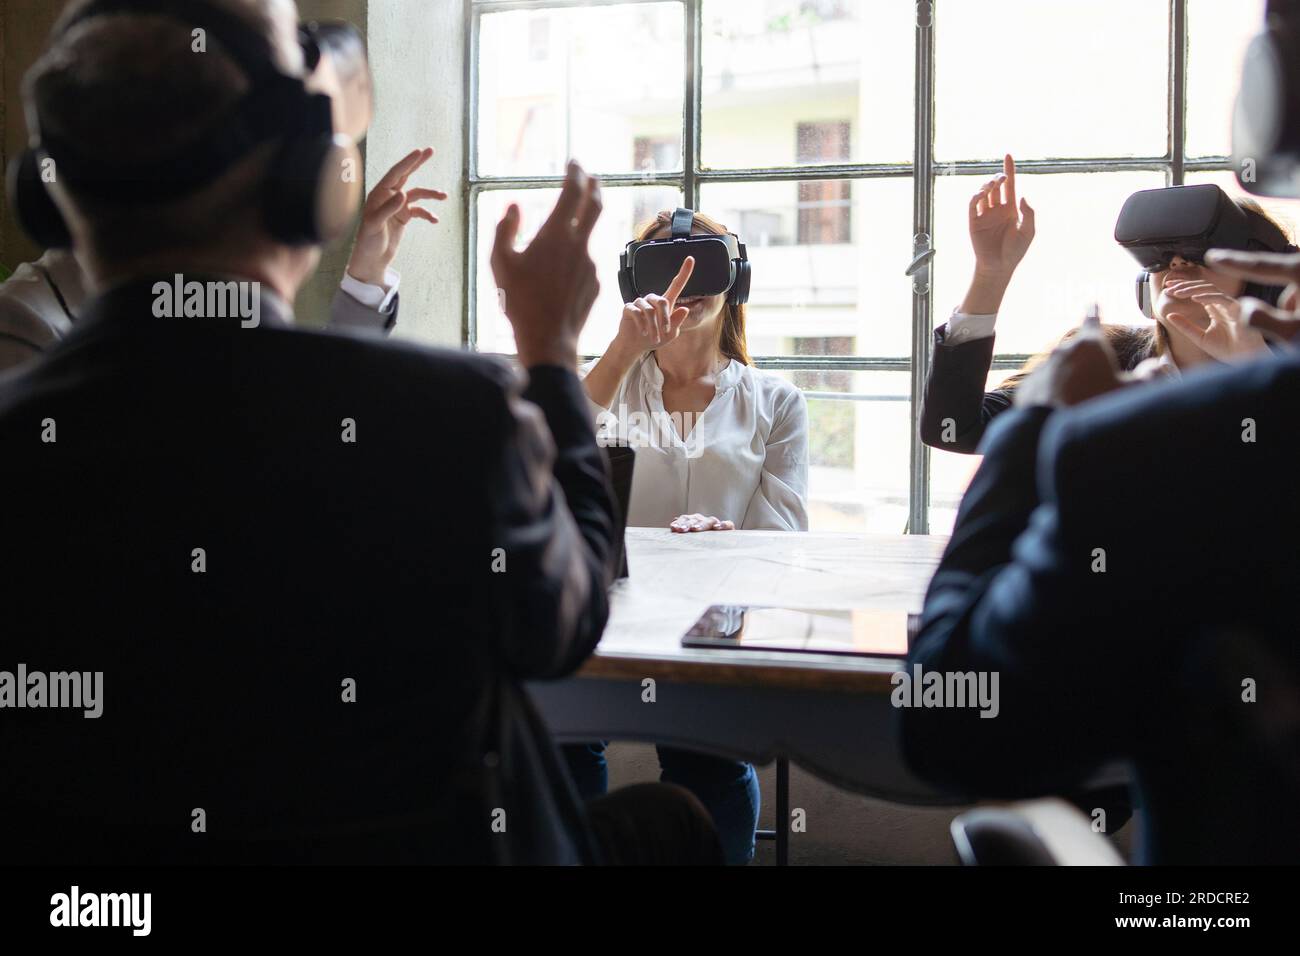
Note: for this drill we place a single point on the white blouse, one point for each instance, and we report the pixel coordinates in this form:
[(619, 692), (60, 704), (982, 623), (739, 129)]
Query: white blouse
[(745, 460)]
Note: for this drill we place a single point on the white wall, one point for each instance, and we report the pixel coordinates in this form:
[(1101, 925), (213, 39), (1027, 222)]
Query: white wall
[(417, 53)]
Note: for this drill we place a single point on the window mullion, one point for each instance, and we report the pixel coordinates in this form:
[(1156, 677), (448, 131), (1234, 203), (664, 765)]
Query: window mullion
[(1177, 91), (918, 520), (469, 164), (694, 96)]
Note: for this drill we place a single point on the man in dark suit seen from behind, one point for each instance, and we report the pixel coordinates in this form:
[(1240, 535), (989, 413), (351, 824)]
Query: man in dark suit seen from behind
[(313, 570)]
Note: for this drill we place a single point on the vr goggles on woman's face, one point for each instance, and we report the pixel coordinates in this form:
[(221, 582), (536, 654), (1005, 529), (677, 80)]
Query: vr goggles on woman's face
[(721, 264), (1156, 225)]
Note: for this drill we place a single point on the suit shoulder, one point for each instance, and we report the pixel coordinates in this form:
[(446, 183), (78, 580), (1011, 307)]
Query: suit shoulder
[(1221, 396)]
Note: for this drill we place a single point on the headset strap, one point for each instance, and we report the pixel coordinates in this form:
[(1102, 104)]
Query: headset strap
[(683, 221)]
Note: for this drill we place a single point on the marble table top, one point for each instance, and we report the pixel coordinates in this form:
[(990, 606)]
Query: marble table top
[(675, 577)]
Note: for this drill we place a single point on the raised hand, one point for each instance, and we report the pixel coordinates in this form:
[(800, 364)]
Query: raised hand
[(1218, 327), (1001, 225), (388, 210), (548, 289), (1281, 324), (654, 320)]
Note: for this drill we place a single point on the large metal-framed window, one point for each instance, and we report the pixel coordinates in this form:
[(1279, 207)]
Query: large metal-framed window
[(923, 170)]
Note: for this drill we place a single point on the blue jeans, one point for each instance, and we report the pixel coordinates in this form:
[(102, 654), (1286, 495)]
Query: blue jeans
[(727, 788)]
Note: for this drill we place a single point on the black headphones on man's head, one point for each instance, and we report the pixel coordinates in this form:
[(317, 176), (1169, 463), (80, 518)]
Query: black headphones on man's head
[(314, 184)]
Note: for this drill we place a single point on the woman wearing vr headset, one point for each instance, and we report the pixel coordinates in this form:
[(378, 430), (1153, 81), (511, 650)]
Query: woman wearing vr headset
[(720, 444), (1196, 310)]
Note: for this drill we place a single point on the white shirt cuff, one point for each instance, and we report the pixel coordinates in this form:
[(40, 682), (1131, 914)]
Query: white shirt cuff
[(968, 328), (377, 297)]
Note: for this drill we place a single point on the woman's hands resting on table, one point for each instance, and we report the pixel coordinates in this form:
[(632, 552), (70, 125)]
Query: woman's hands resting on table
[(1001, 230), (685, 524)]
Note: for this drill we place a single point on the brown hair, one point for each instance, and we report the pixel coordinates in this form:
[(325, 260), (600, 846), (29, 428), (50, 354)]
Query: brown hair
[(1132, 344), (731, 330)]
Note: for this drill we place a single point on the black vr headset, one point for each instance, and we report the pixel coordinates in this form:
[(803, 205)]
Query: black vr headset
[(314, 182), (1155, 225), (1266, 119), (721, 264)]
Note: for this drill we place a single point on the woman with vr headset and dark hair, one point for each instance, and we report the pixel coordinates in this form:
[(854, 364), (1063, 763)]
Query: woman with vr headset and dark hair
[(1196, 310), (726, 445)]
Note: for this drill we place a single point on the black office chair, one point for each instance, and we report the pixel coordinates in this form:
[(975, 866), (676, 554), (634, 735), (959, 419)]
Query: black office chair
[(1046, 832)]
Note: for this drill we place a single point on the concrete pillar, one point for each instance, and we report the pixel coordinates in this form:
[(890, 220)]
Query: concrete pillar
[(417, 52)]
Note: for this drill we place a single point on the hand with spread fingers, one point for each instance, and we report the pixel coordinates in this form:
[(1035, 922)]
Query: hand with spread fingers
[(1279, 324), (389, 208), (687, 524), (548, 288), (1213, 320)]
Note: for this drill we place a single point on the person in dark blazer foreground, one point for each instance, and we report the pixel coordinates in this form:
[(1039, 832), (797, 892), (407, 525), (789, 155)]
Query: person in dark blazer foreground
[(1166, 643), (270, 593)]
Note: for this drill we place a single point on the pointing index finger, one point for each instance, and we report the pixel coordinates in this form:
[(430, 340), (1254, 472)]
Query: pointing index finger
[(679, 281)]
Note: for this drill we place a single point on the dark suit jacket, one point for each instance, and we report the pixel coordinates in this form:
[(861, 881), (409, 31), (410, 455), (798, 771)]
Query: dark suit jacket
[(457, 547), (1143, 661), (954, 389)]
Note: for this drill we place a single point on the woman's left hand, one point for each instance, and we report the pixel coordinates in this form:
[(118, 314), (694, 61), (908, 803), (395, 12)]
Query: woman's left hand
[(684, 524), (1217, 327), (388, 210)]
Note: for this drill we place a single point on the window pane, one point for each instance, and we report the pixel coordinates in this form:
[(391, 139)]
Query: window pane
[(1073, 262), (858, 452), (1217, 35), (1045, 80), (807, 81), (603, 85), (625, 209), (828, 260), (950, 473)]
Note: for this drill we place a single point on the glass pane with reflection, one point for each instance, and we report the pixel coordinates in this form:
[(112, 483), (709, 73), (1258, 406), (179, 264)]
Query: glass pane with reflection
[(828, 260), (1040, 79), (602, 84), (806, 82), (1217, 36), (859, 445), (950, 473)]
